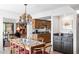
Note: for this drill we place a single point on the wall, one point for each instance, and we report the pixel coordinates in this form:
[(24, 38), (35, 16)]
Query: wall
[(74, 33), (56, 24), (9, 17), (59, 11), (5, 16), (8, 20), (29, 30), (66, 18), (8, 14), (1, 35), (78, 34)]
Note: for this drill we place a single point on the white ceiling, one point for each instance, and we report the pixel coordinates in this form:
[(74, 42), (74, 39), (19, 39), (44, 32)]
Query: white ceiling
[(33, 8)]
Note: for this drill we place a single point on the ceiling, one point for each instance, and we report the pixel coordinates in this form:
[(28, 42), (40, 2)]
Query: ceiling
[(34, 8)]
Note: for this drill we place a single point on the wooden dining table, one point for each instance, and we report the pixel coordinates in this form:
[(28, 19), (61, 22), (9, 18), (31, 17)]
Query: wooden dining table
[(29, 44)]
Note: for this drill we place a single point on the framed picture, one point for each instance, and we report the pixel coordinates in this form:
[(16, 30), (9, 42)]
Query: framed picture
[(67, 23)]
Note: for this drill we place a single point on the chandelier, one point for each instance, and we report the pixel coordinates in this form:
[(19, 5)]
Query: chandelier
[(25, 18)]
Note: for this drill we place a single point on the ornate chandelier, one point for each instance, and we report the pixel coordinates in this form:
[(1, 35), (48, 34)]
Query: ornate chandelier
[(25, 18)]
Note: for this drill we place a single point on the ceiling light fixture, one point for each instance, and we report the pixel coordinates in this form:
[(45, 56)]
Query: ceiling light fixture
[(25, 18), (77, 11)]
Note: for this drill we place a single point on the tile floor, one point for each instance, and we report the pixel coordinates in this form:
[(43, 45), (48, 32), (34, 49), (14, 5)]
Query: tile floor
[(6, 50)]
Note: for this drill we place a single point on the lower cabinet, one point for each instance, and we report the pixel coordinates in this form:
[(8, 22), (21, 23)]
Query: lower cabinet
[(57, 43), (67, 47), (57, 46), (63, 44), (67, 44)]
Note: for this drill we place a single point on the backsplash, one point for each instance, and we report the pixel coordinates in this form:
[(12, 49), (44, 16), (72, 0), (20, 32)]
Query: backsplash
[(41, 30)]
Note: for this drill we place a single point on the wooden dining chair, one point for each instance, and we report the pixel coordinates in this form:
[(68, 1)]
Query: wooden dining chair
[(39, 49), (17, 49), (48, 45), (23, 50)]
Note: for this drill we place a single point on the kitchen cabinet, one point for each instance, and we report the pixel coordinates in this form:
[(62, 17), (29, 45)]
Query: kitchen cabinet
[(36, 24), (67, 44), (41, 24), (48, 24), (57, 42), (45, 36), (63, 43)]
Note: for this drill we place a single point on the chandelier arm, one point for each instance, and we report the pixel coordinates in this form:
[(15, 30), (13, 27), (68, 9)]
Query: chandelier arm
[(25, 8)]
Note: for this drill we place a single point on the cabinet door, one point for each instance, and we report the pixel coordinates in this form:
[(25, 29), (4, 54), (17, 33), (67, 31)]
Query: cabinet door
[(37, 24), (67, 45), (41, 24), (33, 24), (57, 43), (49, 24), (57, 46)]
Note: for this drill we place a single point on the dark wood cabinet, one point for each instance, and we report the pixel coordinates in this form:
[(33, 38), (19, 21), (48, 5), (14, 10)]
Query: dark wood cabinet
[(45, 36), (41, 24), (45, 26), (63, 43)]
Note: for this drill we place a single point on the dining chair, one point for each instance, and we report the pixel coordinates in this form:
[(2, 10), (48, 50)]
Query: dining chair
[(23, 50), (17, 49), (12, 48), (39, 49), (48, 45)]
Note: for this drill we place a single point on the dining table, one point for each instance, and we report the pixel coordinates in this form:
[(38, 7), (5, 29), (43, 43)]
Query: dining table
[(29, 44)]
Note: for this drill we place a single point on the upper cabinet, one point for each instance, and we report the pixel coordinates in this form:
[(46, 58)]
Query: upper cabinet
[(41, 24)]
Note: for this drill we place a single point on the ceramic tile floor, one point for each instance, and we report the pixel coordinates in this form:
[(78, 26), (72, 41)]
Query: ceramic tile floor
[(55, 52), (6, 50)]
